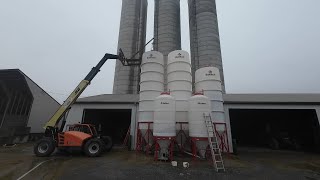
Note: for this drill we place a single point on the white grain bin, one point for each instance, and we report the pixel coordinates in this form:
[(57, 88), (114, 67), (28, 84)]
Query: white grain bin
[(164, 116), (164, 124), (198, 106), (179, 79), (151, 86), (179, 75), (207, 80)]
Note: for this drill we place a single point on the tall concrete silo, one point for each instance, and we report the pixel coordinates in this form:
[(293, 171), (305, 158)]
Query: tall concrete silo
[(132, 38), (204, 36), (167, 31)]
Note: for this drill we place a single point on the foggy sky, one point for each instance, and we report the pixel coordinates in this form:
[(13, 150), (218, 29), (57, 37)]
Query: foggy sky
[(268, 46)]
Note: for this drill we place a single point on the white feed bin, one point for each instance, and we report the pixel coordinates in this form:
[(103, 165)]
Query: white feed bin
[(151, 76), (179, 75), (152, 83), (198, 105), (179, 79), (207, 73), (164, 124), (152, 61), (151, 86), (207, 80)]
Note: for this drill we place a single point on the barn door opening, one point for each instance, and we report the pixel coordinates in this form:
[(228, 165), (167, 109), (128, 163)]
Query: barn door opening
[(110, 122), (292, 129)]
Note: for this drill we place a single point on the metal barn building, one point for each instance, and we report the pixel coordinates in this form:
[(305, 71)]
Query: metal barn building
[(252, 119), (24, 107)]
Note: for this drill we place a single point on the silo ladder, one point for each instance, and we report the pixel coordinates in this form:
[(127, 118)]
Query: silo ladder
[(213, 143)]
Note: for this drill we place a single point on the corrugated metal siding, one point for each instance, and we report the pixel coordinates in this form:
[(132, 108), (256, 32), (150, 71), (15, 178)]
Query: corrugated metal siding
[(15, 104), (132, 38), (228, 98), (167, 30), (43, 107), (110, 98), (204, 36), (305, 99)]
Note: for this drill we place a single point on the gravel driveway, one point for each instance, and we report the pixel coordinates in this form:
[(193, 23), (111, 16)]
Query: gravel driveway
[(120, 164)]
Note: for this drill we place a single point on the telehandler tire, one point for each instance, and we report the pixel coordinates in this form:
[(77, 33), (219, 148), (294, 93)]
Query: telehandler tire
[(44, 147), (107, 142), (93, 147)]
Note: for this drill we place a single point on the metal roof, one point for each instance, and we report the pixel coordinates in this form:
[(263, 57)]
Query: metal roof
[(228, 98), (13, 75), (111, 98), (271, 98)]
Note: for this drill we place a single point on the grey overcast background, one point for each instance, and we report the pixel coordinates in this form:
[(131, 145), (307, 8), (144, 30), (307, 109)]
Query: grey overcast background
[(268, 46)]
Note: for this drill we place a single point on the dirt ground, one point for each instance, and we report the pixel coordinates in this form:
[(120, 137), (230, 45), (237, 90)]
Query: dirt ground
[(250, 163)]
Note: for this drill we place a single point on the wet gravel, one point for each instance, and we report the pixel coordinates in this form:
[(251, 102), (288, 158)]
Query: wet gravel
[(120, 164)]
